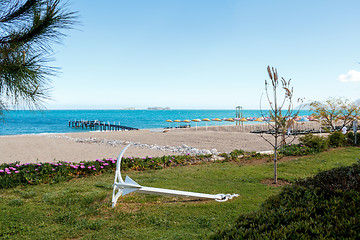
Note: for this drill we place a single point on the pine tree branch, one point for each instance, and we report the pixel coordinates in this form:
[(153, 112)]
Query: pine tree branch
[(16, 13)]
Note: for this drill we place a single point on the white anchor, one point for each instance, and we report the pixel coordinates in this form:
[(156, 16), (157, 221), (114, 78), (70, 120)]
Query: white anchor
[(122, 188)]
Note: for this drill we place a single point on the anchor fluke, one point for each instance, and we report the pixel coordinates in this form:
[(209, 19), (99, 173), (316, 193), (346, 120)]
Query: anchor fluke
[(129, 186)]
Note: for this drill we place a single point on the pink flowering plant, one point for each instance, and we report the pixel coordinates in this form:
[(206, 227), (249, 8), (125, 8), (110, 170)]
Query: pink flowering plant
[(15, 174)]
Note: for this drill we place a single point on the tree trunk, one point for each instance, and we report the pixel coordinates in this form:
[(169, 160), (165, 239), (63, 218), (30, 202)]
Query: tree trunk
[(275, 161)]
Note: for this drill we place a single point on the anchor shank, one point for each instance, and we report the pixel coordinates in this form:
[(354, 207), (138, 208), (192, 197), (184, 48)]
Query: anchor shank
[(176, 193)]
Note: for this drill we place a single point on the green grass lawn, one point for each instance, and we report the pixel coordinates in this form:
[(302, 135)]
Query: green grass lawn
[(81, 208)]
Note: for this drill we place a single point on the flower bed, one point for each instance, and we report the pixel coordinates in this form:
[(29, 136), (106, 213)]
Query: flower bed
[(14, 174)]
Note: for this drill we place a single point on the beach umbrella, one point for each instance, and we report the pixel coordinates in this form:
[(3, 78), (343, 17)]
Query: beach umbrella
[(272, 119), (196, 121), (217, 120), (229, 120), (303, 120), (258, 120), (178, 121), (243, 120), (186, 121), (206, 120), (169, 121)]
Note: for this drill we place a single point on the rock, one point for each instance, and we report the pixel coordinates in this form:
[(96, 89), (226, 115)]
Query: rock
[(183, 149)]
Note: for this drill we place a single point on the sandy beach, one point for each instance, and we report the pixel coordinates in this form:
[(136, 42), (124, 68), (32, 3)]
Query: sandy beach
[(89, 146)]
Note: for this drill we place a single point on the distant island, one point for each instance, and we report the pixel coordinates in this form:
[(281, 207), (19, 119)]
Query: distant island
[(158, 108)]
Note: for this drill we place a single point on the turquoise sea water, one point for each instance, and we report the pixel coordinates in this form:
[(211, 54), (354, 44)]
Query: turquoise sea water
[(56, 121)]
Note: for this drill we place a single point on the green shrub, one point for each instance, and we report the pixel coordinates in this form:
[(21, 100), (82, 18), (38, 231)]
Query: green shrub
[(323, 207), (309, 144), (350, 138), (342, 179), (241, 155), (316, 143), (225, 156), (255, 155), (16, 202), (235, 154), (295, 150), (336, 139)]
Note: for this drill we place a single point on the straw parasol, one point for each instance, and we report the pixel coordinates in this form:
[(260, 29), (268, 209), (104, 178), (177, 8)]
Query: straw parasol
[(178, 121), (187, 120), (196, 121), (169, 121), (258, 120), (206, 120), (243, 119), (229, 120), (303, 120), (217, 120)]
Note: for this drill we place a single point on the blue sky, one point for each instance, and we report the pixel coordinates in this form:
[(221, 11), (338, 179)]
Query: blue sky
[(205, 54)]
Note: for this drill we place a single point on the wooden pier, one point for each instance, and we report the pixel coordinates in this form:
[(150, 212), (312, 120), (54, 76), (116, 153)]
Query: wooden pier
[(99, 125)]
